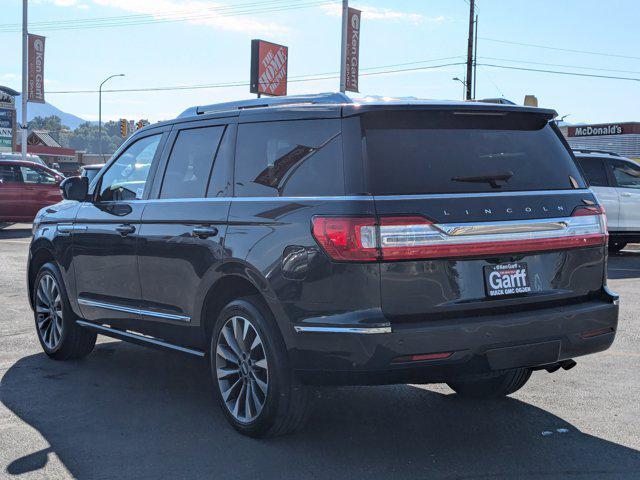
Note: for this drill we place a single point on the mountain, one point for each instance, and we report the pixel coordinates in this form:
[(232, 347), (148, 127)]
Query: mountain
[(46, 110)]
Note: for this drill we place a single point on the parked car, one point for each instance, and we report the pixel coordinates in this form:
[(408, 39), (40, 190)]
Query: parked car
[(25, 188), (616, 183), (17, 156), (303, 240), (90, 171)]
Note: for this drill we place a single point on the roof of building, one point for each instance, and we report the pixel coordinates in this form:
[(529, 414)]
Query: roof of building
[(42, 137)]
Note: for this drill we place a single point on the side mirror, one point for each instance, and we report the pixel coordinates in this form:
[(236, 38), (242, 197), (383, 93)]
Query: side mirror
[(75, 188)]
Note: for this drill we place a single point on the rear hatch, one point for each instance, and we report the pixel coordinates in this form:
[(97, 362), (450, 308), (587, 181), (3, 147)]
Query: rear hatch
[(479, 212)]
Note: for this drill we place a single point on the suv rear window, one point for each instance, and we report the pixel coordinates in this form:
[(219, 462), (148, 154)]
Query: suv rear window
[(413, 152)]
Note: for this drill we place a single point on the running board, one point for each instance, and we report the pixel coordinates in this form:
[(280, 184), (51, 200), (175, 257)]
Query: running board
[(137, 338)]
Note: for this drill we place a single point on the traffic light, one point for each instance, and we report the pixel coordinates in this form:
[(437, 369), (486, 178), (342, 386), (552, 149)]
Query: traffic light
[(123, 128)]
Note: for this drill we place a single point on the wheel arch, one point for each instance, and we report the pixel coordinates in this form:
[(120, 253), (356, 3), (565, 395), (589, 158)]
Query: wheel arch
[(236, 280), (41, 253)]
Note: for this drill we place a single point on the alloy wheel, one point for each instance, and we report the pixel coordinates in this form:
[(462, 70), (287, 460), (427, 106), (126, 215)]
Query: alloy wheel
[(48, 306), (241, 369)]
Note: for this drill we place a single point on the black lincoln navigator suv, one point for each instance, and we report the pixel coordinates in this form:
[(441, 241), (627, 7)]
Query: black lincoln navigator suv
[(307, 240)]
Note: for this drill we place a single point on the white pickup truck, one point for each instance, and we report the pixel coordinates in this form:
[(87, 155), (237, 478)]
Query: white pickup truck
[(616, 182)]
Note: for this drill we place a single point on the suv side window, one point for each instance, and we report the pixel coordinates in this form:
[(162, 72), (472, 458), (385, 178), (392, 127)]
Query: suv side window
[(127, 176), (594, 171), (33, 175), (10, 174), (190, 162), (627, 174), (290, 158)]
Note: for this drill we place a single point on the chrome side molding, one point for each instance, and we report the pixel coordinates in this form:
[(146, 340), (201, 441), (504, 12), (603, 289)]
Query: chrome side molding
[(138, 311), (137, 338), (359, 330)]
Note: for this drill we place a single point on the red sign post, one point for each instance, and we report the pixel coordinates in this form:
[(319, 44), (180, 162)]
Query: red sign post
[(36, 69), (269, 62)]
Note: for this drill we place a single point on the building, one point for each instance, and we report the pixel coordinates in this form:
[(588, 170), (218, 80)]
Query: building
[(41, 143), (7, 119), (620, 138)]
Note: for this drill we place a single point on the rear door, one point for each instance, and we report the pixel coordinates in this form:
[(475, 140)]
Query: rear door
[(626, 174), (41, 189), (595, 170), (475, 214), (181, 239)]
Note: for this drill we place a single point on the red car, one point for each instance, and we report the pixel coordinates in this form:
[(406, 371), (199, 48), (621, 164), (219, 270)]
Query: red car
[(25, 188)]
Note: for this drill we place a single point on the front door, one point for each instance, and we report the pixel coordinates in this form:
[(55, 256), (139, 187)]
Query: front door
[(183, 227), (13, 207), (105, 235), (41, 189)]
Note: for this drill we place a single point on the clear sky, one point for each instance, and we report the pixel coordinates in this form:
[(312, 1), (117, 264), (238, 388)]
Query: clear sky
[(211, 45)]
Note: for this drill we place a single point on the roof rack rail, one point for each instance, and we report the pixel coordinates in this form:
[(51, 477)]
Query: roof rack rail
[(317, 98), (589, 150)]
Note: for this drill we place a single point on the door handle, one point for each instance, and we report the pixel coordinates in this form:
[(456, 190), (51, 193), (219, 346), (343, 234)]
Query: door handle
[(625, 194), (125, 230), (204, 232)]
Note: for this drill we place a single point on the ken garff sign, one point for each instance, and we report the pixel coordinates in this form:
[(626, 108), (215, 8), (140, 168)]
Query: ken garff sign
[(352, 54), (36, 69), (268, 68)]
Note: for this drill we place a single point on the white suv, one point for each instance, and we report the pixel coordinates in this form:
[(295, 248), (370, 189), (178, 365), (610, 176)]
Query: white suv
[(616, 182)]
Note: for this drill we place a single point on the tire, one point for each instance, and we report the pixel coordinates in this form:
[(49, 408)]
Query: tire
[(492, 387), (615, 246), (285, 405), (59, 335)]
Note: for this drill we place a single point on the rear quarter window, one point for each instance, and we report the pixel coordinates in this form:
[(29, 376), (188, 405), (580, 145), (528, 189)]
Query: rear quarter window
[(444, 152), (291, 158)]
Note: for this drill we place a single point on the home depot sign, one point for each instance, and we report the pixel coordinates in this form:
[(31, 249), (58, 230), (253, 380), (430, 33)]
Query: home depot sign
[(269, 63)]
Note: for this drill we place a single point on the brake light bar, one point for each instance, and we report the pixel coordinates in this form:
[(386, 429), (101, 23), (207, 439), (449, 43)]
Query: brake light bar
[(391, 238)]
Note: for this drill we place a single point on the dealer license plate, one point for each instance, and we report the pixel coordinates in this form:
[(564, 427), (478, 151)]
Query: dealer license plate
[(506, 279)]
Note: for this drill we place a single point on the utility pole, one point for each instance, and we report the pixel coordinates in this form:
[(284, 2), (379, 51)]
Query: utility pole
[(25, 83), (343, 46), (469, 78), (475, 58)]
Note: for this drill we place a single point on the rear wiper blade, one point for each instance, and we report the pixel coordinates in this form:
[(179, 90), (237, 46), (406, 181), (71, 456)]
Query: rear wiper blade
[(490, 179)]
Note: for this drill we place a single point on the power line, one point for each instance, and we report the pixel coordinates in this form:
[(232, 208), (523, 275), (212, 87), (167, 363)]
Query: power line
[(580, 67), (273, 6), (559, 49), (147, 15), (301, 78), (575, 74)]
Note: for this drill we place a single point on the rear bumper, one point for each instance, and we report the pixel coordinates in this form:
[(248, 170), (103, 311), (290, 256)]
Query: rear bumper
[(479, 345)]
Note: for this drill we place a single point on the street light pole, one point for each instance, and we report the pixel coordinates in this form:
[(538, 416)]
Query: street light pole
[(25, 86), (464, 85), (100, 110)]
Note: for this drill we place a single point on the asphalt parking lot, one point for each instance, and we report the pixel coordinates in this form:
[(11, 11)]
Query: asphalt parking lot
[(130, 412)]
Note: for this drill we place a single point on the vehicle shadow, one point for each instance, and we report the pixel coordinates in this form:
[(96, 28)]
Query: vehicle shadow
[(14, 233), (127, 412), (624, 264)]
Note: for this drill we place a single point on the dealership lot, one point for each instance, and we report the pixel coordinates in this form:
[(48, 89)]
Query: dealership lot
[(129, 412)]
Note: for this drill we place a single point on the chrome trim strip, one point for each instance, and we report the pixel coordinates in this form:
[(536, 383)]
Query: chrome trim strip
[(360, 330), (67, 228), (509, 226), (142, 338), (138, 311)]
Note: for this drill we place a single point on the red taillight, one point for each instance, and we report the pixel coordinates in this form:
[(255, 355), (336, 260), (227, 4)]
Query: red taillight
[(423, 357), (347, 238), (415, 237)]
